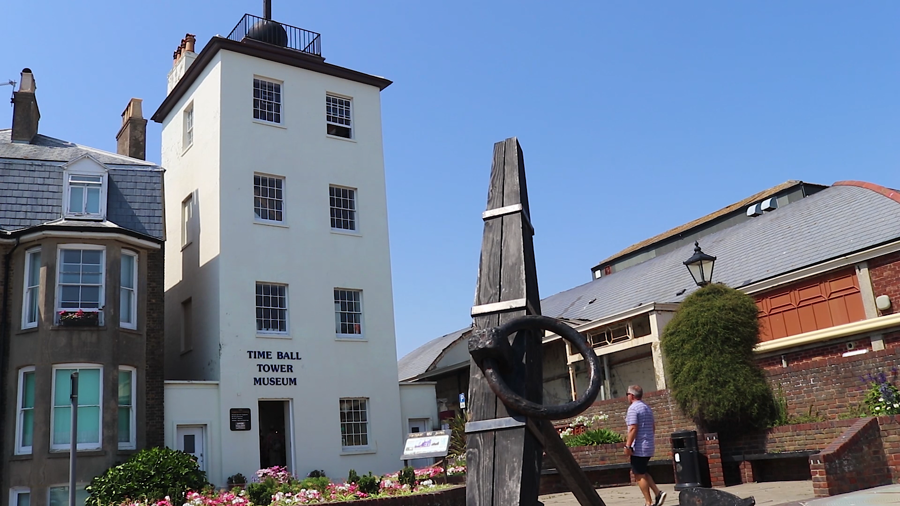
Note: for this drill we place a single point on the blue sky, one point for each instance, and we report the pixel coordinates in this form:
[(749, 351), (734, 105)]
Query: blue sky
[(635, 117)]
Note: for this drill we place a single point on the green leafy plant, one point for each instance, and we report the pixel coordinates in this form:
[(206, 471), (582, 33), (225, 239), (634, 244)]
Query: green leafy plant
[(150, 474), (369, 484), (352, 477), (783, 417), (715, 379), (407, 476), (592, 438), (882, 397), (319, 483), (261, 492), (584, 431), (237, 479), (457, 445)]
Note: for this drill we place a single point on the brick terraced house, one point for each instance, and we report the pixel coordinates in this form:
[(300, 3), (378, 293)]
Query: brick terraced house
[(81, 236)]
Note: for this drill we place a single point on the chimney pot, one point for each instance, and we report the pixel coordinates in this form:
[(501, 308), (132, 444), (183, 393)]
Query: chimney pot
[(189, 41), (132, 137), (26, 114)]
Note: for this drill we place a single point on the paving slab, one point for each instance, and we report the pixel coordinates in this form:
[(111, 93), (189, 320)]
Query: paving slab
[(878, 496), (797, 493)]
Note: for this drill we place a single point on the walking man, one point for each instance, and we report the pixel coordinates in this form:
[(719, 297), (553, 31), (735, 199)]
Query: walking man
[(639, 444)]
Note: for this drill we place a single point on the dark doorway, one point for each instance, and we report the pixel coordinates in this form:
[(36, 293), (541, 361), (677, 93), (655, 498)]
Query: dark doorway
[(274, 433)]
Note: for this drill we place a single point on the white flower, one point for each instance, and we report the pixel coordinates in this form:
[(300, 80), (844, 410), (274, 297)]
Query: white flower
[(427, 483)]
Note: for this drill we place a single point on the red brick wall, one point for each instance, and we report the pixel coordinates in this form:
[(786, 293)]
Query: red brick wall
[(885, 275), (824, 380), (854, 461), (155, 348), (5, 325), (787, 438), (666, 413), (890, 441)]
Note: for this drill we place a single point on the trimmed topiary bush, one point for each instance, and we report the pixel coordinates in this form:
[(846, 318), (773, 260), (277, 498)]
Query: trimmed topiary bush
[(150, 475), (708, 347)]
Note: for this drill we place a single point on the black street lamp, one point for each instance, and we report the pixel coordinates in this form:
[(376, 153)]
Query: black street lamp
[(700, 265)]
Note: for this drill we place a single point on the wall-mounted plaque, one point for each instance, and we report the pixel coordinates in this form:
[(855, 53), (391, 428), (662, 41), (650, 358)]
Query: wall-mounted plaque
[(240, 418)]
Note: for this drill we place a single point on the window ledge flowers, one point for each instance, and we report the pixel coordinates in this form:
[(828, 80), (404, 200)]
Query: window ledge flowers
[(79, 318)]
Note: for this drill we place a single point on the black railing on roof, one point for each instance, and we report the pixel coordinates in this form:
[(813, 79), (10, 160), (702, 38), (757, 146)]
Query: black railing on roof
[(278, 34)]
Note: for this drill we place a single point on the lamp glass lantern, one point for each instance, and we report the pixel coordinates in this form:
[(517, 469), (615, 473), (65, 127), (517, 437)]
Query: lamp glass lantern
[(700, 265)]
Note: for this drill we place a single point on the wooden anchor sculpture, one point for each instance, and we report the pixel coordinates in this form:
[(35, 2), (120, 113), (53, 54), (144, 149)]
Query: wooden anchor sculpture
[(509, 427)]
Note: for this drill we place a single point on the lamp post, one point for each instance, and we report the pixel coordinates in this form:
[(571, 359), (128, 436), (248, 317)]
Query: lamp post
[(700, 265)]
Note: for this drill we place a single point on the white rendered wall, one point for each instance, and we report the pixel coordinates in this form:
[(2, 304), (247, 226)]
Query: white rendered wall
[(193, 271), (417, 401), (303, 253), (197, 404)]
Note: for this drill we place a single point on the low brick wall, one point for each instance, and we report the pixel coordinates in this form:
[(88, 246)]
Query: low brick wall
[(890, 441), (455, 496), (787, 438), (854, 461)]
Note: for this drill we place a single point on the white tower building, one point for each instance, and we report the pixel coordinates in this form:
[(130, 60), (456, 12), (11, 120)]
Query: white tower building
[(280, 345)]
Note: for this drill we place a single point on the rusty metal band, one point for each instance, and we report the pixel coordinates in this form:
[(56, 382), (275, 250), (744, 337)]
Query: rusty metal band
[(515, 402)]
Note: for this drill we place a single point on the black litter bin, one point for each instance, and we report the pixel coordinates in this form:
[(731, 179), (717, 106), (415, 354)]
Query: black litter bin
[(687, 459)]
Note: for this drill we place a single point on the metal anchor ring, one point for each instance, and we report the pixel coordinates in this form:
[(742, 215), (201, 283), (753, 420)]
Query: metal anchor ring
[(491, 369)]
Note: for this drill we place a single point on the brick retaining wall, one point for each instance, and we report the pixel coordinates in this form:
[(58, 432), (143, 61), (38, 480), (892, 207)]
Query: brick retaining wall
[(854, 461)]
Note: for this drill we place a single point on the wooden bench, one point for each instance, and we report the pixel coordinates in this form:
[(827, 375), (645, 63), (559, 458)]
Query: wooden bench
[(755, 467)]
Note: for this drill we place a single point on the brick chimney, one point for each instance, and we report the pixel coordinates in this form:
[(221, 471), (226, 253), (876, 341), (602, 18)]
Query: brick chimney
[(25, 110), (132, 137)]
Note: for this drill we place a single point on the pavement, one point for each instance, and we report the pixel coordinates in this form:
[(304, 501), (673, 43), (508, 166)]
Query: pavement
[(784, 493)]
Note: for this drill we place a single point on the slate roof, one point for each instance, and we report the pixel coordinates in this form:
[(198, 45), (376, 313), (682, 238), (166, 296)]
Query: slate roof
[(834, 222), (31, 184), (422, 358)]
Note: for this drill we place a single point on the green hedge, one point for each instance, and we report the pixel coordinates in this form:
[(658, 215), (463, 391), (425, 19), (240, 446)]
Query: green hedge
[(708, 347)]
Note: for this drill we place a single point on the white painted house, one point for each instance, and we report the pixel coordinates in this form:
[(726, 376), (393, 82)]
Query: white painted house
[(280, 345)]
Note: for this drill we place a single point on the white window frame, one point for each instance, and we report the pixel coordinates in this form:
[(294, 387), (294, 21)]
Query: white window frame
[(59, 265), (286, 309), (339, 102), (20, 412), (332, 208), (187, 218), (256, 215), (279, 103), (134, 290), (131, 444), (14, 494), (30, 290), (55, 447), (187, 139), (337, 311), (368, 422), (79, 487), (67, 195)]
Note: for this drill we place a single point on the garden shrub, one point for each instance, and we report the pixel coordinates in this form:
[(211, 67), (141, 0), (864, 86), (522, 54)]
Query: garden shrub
[(369, 484), (708, 346), (407, 476), (151, 474), (319, 483), (457, 447), (352, 477), (261, 492)]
